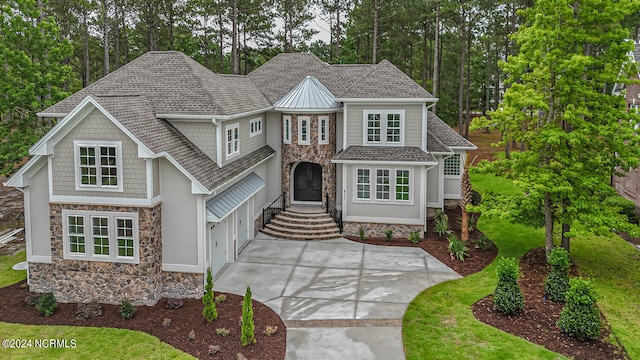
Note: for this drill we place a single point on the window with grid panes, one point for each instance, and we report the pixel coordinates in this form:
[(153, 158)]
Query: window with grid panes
[(382, 184), (452, 165), (402, 185), (363, 185)]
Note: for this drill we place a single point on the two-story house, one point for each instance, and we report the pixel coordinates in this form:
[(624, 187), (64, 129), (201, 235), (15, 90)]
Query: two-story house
[(162, 168)]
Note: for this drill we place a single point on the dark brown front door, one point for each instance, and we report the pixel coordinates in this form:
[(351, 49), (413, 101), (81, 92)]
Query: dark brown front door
[(307, 182)]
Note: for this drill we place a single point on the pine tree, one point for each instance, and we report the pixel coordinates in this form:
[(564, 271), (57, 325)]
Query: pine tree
[(248, 327), (209, 312)]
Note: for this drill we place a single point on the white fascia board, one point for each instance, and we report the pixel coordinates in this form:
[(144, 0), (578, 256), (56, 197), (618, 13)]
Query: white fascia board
[(45, 145), (51, 115), (463, 147), (381, 162), (386, 100), (185, 117), (18, 179), (307, 111), (212, 116)]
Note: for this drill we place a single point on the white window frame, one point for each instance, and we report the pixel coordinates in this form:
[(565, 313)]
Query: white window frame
[(395, 187), (234, 141), (323, 130), (255, 127), (286, 129), (373, 186), (382, 184), (307, 132), (97, 145), (444, 167), (89, 253), (383, 127), (358, 183)]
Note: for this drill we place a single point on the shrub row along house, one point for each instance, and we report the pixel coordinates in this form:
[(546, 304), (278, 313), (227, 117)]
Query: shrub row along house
[(161, 169)]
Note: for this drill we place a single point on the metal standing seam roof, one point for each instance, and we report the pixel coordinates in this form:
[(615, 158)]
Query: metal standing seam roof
[(308, 95), (221, 205)]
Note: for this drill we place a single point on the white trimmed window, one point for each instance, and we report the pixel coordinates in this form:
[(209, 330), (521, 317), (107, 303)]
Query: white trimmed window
[(363, 185), (286, 129), (98, 165), (384, 127), (452, 165), (255, 127), (323, 130), (402, 185), (100, 236), (304, 124), (233, 139), (382, 184)]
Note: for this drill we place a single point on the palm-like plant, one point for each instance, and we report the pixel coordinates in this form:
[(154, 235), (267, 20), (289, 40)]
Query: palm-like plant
[(465, 199)]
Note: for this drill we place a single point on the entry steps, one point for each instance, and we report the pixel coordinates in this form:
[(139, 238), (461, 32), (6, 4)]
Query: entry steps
[(302, 226)]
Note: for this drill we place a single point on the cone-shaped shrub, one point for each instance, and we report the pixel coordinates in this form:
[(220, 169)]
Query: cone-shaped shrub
[(508, 298), (580, 317), (209, 312), (557, 282), (248, 328)]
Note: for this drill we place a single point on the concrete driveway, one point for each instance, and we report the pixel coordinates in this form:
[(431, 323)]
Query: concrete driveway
[(339, 299)]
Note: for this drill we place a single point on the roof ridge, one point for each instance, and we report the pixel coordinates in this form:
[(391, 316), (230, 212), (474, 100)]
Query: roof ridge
[(199, 80)]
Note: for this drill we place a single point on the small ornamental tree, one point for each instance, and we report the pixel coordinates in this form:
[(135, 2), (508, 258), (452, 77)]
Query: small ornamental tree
[(557, 282), (209, 312), (580, 317), (248, 328), (508, 298)]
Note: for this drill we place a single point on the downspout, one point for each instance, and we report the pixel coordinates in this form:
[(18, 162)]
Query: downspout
[(427, 168)]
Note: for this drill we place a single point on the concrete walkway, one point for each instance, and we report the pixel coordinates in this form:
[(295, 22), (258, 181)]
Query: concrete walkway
[(339, 299)]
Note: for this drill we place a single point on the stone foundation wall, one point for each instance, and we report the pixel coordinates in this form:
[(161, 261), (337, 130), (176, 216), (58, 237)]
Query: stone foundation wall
[(182, 285), (101, 281), (377, 230), (257, 225)]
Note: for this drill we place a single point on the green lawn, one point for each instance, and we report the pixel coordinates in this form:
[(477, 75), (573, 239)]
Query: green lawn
[(90, 343), (439, 323)]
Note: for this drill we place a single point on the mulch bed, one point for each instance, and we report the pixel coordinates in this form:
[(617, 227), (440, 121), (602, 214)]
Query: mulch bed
[(438, 247), (149, 319), (537, 322)]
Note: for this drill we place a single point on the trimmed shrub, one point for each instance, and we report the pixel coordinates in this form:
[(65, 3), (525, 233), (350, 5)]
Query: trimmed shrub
[(127, 311), (557, 282), (508, 298), (414, 236), (47, 304), (389, 234), (85, 311), (625, 207), (209, 312), (248, 336), (457, 248), (580, 317)]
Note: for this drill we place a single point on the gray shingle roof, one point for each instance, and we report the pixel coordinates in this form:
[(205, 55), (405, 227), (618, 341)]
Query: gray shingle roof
[(445, 133), (436, 146), (173, 83), (385, 154), (278, 75), (135, 113)]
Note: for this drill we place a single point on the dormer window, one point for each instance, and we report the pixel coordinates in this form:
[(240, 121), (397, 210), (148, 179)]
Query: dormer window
[(98, 165), (233, 140), (384, 127)]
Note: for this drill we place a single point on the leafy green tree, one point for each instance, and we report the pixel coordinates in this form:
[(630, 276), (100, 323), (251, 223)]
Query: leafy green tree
[(248, 327), (33, 76), (209, 312), (559, 105)]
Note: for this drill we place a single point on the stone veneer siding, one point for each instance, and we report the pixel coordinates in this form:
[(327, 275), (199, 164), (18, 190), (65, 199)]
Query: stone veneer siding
[(313, 153), (101, 281), (182, 285), (377, 230)]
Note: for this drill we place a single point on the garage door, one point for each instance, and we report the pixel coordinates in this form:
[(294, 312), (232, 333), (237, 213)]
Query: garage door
[(243, 229), (218, 242)]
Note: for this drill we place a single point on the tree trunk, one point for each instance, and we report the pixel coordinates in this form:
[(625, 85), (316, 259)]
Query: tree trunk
[(467, 101), (105, 34), (337, 3), (461, 87), (235, 66), (436, 56), (374, 58), (116, 28), (565, 242), (548, 225), (85, 48)]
